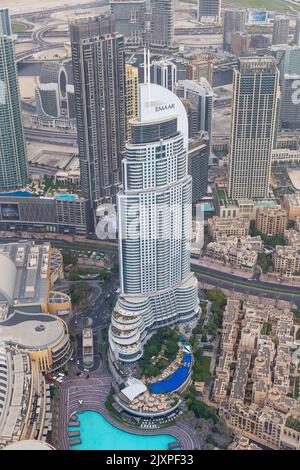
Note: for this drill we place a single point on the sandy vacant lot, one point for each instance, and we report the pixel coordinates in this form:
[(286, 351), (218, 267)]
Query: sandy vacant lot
[(18, 6)]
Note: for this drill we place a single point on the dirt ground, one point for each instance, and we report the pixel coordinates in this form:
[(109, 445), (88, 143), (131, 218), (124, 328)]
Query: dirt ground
[(17, 6)]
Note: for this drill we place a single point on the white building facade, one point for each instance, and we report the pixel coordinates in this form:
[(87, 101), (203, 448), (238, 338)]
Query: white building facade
[(155, 222)]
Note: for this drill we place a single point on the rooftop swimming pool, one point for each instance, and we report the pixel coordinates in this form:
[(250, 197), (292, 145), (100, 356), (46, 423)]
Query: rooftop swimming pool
[(17, 194), (178, 377), (96, 433), (69, 197)]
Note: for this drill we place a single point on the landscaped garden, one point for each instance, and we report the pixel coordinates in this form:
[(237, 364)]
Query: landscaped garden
[(161, 349)]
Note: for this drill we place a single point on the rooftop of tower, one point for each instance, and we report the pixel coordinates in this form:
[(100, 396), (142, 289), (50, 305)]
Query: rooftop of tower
[(257, 64), (157, 104)]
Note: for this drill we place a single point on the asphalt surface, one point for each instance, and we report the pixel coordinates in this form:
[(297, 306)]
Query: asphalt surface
[(254, 286)]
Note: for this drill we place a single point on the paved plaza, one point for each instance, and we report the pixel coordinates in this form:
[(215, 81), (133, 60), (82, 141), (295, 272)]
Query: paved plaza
[(93, 391)]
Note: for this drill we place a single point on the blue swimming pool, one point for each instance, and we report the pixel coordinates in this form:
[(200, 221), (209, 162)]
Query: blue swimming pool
[(96, 433), (17, 194), (178, 377), (69, 197)]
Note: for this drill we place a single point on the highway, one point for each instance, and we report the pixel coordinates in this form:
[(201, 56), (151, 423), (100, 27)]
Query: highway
[(41, 44), (51, 136), (230, 281)]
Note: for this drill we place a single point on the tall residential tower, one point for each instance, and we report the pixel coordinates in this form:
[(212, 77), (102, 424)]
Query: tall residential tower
[(209, 10), (5, 22), (254, 121), (99, 85), (13, 156), (154, 210)]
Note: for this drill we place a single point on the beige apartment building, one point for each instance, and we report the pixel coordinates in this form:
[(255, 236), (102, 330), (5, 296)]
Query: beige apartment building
[(271, 221), (132, 81), (291, 202), (286, 260), (240, 252), (253, 375), (221, 229)]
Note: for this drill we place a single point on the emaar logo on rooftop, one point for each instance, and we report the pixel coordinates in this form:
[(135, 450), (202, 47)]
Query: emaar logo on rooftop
[(164, 107)]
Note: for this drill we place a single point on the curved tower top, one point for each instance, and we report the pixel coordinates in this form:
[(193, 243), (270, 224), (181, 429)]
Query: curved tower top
[(157, 103)]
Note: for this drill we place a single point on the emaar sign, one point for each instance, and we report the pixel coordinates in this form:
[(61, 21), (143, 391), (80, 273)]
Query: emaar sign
[(164, 107)]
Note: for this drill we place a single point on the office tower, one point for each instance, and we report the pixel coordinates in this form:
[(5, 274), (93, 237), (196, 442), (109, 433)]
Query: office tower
[(198, 159), (99, 84), (209, 9), (164, 73), (234, 22), (281, 30), (199, 96), (13, 157), (129, 17), (154, 208), (132, 83), (254, 115), (290, 102), (259, 41), (240, 44), (54, 93), (5, 23), (200, 68), (288, 59), (297, 32), (288, 63), (162, 22)]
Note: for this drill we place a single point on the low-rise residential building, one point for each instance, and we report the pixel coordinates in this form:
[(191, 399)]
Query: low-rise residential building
[(286, 260), (239, 252), (292, 238), (271, 221), (243, 443), (291, 202), (221, 229), (253, 375)]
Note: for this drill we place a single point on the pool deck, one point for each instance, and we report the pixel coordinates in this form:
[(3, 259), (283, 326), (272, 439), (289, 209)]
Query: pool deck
[(93, 392)]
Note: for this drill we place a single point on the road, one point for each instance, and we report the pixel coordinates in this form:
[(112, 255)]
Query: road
[(41, 135), (230, 281)]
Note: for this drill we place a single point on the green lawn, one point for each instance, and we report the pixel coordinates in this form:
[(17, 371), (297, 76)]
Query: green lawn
[(275, 5)]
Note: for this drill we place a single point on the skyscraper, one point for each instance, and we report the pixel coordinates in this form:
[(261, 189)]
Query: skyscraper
[(288, 63), (129, 17), (200, 68), (234, 22), (5, 23), (210, 9), (297, 32), (99, 84), (132, 83), (162, 22), (164, 73), (13, 157), (154, 209), (200, 95), (281, 30), (254, 119)]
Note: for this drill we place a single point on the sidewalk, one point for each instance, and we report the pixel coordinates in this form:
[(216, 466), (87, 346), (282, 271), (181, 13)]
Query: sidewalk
[(212, 264)]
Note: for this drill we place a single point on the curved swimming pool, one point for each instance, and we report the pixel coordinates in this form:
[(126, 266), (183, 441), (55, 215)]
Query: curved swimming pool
[(96, 433), (178, 377)]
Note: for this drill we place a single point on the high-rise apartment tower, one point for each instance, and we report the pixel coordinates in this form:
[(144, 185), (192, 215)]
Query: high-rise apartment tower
[(13, 156), (99, 86), (254, 119)]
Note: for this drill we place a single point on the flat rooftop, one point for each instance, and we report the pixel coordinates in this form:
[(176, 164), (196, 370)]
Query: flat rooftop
[(24, 271), (32, 331)]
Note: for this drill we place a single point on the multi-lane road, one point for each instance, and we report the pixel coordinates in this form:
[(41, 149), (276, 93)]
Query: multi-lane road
[(41, 135), (207, 275)]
